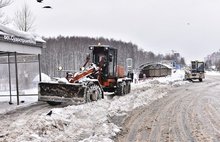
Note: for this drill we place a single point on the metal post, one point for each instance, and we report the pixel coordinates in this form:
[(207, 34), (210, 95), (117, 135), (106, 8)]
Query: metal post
[(9, 75), (39, 61), (16, 73)]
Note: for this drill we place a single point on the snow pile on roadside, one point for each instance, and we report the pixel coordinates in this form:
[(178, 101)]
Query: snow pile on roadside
[(175, 79), (85, 123), (141, 96), (44, 78), (72, 123), (178, 75), (96, 121)]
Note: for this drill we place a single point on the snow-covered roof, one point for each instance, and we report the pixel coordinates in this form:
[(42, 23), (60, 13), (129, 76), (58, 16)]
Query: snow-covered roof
[(12, 40), (4, 30), (155, 63)]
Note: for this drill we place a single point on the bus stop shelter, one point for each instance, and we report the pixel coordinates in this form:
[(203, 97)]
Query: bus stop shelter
[(14, 45)]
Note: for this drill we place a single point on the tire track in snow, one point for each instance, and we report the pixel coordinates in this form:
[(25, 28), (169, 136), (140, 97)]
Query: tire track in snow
[(188, 113)]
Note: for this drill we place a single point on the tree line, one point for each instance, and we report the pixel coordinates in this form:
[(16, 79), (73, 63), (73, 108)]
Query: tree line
[(70, 53)]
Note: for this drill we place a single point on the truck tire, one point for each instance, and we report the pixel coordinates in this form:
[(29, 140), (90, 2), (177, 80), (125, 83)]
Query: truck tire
[(125, 89), (129, 87), (200, 79), (120, 89), (93, 93)]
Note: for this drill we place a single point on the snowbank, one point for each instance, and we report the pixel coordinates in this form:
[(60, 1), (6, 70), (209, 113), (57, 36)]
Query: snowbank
[(97, 121), (44, 78)]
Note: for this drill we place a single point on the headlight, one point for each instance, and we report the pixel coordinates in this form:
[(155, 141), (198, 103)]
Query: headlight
[(60, 68), (91, 47)]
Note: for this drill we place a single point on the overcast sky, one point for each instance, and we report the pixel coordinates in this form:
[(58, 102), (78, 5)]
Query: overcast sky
[(190, 27)]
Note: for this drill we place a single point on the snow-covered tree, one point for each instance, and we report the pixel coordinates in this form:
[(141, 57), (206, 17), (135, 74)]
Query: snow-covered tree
[(4, 3), (24, 19)]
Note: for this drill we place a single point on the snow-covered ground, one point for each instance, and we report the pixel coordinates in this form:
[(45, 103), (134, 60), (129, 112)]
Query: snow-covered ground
[(212, 73), (95, 121), (23, 100)]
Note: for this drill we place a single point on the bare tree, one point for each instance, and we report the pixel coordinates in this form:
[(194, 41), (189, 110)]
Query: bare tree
[(4, 3), (24, 19)]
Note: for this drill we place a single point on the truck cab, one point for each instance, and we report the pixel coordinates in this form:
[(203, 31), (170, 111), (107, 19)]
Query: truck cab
[(112, 76)]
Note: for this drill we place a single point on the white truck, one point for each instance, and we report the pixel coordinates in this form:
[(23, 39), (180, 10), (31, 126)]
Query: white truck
[(196, 71)]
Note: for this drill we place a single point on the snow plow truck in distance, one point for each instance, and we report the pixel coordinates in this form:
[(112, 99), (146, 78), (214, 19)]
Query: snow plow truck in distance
[(103, 75), (196, 71)]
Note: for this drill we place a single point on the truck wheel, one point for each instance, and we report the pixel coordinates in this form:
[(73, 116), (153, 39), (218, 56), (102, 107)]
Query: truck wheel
[(93, 93), (129, 87), (200, 79), (125, 89), (120, 90)]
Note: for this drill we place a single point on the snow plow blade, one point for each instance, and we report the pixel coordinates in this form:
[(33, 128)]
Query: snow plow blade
[(57, 93)]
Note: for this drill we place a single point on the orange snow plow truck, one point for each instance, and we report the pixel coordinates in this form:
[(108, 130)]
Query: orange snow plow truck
[(90, 83)]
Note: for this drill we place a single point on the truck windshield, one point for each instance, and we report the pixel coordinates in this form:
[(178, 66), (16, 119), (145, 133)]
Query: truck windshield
[(200, 66)]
